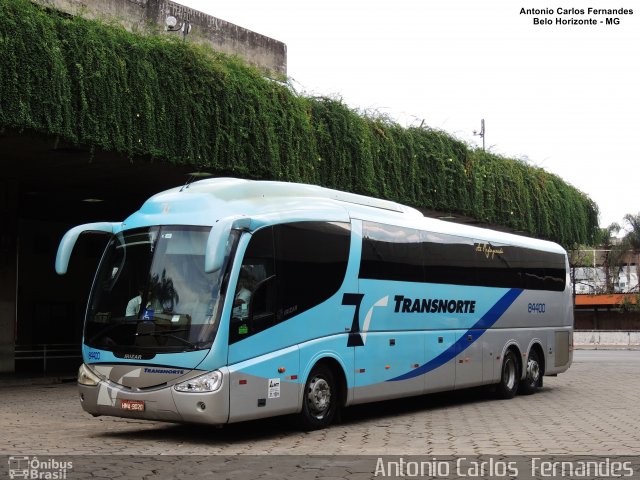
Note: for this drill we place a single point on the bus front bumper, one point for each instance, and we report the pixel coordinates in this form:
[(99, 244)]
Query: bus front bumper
[(164, 404)]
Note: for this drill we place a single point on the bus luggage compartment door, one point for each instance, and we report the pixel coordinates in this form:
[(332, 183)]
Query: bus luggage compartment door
[(265, 386), (468, 359), (383, 357)]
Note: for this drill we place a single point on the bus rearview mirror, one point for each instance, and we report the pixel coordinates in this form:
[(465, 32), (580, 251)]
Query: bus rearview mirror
[(217, 243), (69, 240)]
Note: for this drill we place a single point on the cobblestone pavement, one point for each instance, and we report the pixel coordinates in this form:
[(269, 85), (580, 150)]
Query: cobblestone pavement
[(592, 409)]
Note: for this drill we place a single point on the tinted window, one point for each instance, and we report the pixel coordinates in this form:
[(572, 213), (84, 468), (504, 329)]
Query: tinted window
[(311, 261), (449, 259), (286, 270), (393, 253), (255, 298)]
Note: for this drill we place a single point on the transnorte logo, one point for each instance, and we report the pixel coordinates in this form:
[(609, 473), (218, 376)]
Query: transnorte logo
[(169, 371), (402, 304), (433, 305)]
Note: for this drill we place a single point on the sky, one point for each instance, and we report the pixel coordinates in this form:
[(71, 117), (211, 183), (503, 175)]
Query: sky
[(562, 97)]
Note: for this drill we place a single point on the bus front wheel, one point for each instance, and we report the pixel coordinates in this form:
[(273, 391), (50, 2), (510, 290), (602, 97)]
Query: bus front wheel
[(509, 377), (320, 399)]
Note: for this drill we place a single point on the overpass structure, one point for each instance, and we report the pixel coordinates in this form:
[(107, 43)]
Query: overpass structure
[(99, 119)]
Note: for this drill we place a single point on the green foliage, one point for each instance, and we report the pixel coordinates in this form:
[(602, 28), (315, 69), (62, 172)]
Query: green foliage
[(632, 237), (154, 96), (629, 303), (582, 257)]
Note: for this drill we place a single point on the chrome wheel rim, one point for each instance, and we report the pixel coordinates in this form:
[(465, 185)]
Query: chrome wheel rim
[(533, 370), (510, 373), (319, 397)]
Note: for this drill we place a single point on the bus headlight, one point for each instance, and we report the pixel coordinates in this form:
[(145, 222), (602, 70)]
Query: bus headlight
[(87, 377), (209, 382)]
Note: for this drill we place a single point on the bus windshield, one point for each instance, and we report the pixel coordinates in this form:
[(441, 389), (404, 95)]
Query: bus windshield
[(152, 295)]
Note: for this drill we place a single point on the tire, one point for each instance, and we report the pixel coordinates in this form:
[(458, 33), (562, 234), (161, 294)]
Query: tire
[(509, 376), (533, 378), (320, 399)]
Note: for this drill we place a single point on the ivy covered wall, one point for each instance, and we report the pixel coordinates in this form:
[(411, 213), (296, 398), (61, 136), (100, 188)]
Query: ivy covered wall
[(154, 96)]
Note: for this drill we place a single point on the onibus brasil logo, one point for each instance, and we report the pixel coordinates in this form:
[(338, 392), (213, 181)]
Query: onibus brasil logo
[(34, 468)]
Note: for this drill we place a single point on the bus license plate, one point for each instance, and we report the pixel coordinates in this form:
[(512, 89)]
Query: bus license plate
[(132, 405)]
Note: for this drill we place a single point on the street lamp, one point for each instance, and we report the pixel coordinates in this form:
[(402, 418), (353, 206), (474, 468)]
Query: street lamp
[(172, 26)]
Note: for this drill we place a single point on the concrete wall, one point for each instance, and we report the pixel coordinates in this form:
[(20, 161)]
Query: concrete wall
[(606, 339), (149, 15)]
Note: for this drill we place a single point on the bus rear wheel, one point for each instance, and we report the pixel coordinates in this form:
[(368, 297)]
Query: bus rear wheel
[(534, 374), (320, 399), (509, 377)]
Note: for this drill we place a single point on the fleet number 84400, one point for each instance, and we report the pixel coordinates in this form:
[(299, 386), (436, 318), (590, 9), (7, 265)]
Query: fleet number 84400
[(536, 307)]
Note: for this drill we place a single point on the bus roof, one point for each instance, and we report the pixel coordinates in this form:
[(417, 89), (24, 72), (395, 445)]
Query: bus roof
[(234, 189), (206, 201)]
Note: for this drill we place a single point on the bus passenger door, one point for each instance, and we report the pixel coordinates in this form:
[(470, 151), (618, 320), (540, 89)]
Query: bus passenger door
[(263, 365), (469, 358)]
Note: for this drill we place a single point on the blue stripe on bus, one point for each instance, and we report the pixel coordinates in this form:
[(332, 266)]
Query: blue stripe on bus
[(481, 326)]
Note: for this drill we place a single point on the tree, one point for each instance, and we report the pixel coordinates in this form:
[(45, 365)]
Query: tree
[(632, 238), (601, 260), (612, 256)]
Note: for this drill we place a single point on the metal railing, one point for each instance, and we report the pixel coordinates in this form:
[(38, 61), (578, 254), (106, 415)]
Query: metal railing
[(48, 353)]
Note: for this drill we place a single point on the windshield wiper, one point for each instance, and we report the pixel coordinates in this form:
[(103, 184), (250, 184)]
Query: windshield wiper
[(170, 335)]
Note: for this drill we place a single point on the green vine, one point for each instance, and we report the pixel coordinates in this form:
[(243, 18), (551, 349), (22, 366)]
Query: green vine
[(154, 96)]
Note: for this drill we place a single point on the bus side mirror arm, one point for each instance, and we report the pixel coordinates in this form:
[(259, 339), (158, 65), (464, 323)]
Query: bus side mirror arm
[(69, 240), (218, 241)]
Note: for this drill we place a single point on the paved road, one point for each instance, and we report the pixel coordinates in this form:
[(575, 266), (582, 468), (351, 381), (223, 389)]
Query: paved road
[(593, 409)]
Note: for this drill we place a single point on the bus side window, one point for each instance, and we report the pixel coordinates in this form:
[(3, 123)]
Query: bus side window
[(295, 266), (254, 303), (311, 262)]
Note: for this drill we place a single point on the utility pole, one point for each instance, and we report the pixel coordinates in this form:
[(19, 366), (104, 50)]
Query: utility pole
[(481, 133)]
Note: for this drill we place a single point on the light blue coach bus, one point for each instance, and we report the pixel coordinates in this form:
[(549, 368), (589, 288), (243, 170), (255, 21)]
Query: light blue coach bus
[(228, 300)]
